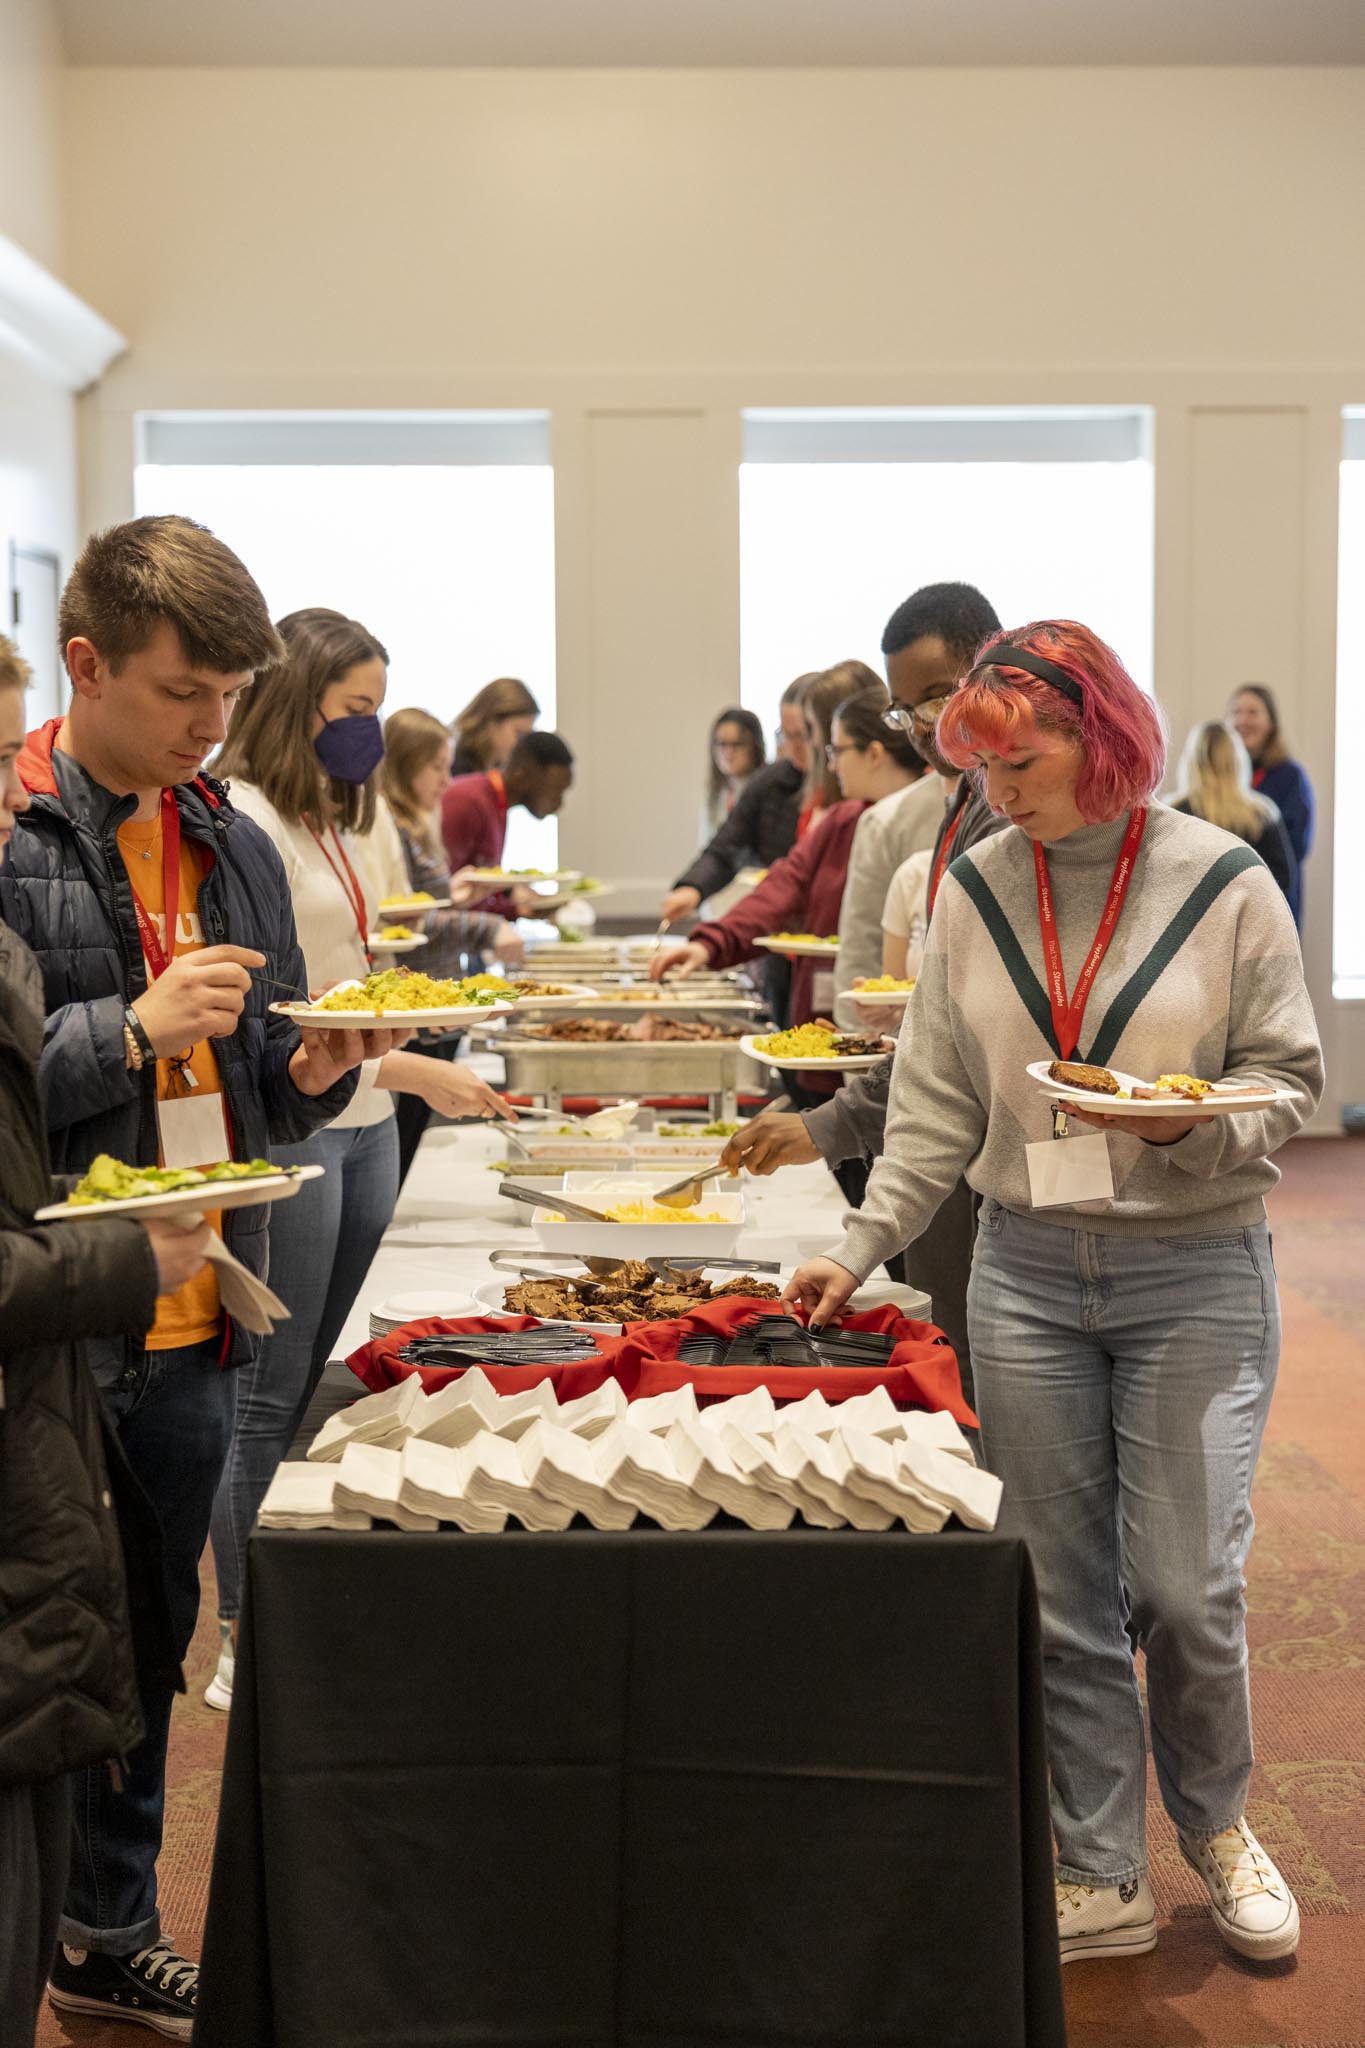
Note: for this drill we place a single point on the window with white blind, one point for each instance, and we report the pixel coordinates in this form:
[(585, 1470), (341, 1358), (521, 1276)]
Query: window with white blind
[(843, 513), (435, 530)]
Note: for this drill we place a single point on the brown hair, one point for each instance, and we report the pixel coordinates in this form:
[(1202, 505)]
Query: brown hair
[(15, 673), (270, 739), (412, 739), (504, 697), (823, 695), (863, 718), (130, 578), (1274, 751)]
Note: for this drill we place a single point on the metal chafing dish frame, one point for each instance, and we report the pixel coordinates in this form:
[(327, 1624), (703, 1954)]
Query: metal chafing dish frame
[(552, 1069)]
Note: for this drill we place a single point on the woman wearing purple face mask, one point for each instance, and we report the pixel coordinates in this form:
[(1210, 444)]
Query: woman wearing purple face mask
[(303, 751)]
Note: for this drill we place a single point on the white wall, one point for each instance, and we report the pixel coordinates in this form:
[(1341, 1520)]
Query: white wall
[(646, 253), (37, 418)]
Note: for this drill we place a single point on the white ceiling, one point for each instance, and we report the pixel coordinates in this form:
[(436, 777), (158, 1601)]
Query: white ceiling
[(712, 32)]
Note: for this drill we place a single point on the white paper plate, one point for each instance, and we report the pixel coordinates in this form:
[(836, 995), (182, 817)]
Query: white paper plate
[(431, 1301), (801, 949), (377, 943), (390, 1020), (880, 998), (1226, 1099), (847, 1063), (403, 907), (504, 878), (225, 1194)]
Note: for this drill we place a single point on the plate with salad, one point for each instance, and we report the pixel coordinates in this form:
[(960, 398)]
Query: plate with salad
[(112, 1188)]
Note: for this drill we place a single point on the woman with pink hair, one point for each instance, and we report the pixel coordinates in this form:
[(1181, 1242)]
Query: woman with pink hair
[(1123, 1311)]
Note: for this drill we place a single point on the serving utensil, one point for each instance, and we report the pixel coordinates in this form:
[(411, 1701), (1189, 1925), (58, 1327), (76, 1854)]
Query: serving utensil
[(685, 1193), (541, 1198)]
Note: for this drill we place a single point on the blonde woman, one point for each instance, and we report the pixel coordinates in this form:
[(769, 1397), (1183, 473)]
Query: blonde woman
[(1215, 783), (490, 725)]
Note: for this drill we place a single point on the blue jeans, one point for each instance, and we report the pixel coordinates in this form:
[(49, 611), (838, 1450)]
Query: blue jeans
[(321, 1246), (1123, 1386), (173, 1414)]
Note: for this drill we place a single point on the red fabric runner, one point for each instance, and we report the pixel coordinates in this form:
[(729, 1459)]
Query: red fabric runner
[(922, 1372)]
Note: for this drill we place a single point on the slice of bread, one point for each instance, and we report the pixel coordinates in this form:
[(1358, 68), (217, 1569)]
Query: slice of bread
[(1072, 1074)]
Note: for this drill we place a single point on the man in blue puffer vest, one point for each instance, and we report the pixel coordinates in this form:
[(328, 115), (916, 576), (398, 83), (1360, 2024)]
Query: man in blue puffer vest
[(162, 924)]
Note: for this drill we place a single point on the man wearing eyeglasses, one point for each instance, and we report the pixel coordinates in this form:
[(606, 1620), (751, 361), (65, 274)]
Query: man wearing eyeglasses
[(929, 642)]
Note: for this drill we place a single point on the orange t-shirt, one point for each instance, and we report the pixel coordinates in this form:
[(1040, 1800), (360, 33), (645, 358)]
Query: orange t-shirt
[(194, 1312)]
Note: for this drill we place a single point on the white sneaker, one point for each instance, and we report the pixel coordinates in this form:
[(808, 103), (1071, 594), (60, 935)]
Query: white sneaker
[(1109, 1920), (218, 1691), (1253, 1908)]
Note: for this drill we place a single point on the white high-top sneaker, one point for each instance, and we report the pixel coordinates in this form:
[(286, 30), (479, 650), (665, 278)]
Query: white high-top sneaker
[(1253, 1908), (1108, 1920), (218, 1691)]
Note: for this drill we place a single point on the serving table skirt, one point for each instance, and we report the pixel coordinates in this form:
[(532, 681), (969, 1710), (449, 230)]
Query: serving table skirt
[(715, 1790)]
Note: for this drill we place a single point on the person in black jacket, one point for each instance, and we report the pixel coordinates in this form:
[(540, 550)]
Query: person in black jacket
[(159, 971), (1215, 783), (68, 1696), (762, 826)]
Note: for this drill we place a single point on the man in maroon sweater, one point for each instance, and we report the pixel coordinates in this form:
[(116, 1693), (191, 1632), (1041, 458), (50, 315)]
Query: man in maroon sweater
[(538, 776)]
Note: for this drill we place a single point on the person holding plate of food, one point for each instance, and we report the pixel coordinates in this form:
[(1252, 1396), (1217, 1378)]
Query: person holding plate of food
[(1123, 1310)]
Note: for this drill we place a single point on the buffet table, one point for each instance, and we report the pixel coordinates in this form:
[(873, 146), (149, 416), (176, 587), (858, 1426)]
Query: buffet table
[(712, 1790), (634, 1791)]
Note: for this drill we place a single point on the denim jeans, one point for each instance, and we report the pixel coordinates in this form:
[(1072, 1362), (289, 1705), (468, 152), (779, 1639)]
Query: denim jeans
[(1123, 1386), (321, 1245), (173, 1414)]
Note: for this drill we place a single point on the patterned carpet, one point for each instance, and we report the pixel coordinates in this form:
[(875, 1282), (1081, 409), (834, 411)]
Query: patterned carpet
[(1307, 1601)]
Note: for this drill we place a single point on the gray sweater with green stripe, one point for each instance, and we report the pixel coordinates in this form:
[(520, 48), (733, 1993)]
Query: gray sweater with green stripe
[(1203, 976)]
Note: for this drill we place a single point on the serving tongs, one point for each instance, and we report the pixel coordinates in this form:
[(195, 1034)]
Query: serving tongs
[(536, 1198)]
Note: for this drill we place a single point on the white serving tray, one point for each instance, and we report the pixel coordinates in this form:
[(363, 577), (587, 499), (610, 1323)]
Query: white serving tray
[(847, 1063), (213, 1195), (1226, 1099), (637, 1240)]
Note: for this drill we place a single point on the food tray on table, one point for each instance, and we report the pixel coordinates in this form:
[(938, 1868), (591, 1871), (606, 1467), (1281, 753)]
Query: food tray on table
[(678, 1237), (200, 1198), (643, 1295), (1224, 1098)]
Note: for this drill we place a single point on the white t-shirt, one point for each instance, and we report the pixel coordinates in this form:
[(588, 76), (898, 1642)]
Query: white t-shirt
[(904, 916), (326, 920)]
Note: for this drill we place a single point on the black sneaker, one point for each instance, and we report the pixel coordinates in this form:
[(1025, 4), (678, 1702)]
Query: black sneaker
[(154, 1987)]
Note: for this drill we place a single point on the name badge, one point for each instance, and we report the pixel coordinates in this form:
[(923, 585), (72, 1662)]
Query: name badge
[(1070, 1173), (192, 1130)]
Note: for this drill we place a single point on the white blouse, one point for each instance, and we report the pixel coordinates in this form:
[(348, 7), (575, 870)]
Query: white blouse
[(325, 916)]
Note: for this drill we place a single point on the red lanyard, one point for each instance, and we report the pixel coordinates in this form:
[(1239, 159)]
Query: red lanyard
[(1066, 1017), (499, 789), (944, 854), (1257, 777), (351, 887), (159, 957), (808, 818)]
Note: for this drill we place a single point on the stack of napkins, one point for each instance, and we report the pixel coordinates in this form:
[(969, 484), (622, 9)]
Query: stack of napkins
[(477, 1459), (302, 1496)]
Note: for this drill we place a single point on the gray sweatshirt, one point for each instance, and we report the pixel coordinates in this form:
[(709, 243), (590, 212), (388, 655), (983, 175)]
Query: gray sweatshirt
[(1203, 976)]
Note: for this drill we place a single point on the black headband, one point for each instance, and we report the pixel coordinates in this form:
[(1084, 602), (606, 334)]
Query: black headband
[(1008, 655)]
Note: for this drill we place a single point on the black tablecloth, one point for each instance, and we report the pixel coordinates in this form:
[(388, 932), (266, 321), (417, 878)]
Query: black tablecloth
[(718, 1790)]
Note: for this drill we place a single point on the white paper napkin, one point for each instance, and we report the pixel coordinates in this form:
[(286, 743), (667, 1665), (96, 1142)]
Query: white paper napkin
[(707, 1467)]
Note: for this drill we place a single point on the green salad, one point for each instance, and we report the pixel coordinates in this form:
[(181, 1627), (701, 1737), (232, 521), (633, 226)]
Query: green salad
[(109, 1180)]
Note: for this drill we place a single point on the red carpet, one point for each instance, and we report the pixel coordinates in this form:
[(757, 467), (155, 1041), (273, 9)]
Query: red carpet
[(1307, 1601)]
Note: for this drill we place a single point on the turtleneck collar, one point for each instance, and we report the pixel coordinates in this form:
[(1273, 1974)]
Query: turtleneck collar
[(1089, 845)]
